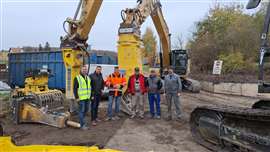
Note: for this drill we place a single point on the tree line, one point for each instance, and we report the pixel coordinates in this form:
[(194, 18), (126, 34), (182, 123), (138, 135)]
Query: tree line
[(230, 34)]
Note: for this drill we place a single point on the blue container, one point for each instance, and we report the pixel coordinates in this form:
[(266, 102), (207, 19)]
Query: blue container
[(20, 63), (93, 58)]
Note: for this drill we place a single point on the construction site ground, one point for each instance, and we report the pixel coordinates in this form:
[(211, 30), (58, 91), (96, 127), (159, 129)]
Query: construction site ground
[(134, 135)]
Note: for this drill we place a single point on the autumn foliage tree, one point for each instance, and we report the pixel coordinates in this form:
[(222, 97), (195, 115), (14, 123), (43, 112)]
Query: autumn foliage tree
[(150, 46), (226, 33)]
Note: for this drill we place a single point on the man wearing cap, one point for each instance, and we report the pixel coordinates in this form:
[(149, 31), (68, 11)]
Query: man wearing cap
[(137, 88), (154, 86), (115, 82)]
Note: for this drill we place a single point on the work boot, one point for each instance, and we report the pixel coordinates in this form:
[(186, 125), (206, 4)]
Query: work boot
[(94, 123), (158, 117), (85, 128), (179, 118), (117, 118), (108, 119), (98, 120)]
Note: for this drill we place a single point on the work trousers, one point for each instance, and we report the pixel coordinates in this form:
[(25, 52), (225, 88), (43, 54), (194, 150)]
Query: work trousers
[(116, 99), (154, 101), (137, 104), (83, 109), (173, 97), (94, 106)]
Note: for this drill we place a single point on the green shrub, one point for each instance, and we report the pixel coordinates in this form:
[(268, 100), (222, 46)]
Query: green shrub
[(232, 62)]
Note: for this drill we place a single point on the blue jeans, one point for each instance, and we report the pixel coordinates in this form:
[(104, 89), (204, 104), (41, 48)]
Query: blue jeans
[(110, 105), (94, 106), (83, 109), (154, 99)]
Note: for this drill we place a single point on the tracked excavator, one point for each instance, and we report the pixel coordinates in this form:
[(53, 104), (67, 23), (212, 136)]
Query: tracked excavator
[(226, 128), (130, 44), (36, 103)]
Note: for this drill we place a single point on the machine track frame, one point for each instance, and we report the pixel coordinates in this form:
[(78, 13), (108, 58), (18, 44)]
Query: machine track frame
[(226, 128)]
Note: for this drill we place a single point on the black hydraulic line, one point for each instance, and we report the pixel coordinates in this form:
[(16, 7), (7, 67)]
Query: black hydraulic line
[(77, 10), (264, 50), (123, 15), (64, 27)]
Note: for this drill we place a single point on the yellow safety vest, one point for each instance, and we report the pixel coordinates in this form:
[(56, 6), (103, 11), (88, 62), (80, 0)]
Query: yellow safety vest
[(84, 90)]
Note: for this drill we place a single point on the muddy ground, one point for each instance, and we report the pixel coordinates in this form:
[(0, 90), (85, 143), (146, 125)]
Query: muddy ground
[(134, 135)]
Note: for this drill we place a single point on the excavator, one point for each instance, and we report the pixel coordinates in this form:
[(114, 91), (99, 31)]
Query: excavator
[(227, 128), (36, 103), (130, 44)]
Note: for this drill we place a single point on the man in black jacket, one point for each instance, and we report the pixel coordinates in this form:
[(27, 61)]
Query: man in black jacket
[(97, 85)]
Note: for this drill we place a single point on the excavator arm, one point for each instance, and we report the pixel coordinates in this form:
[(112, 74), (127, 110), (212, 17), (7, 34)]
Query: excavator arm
[(78, 29), (74, 43), (129, 34), (163, 32), (263, 87)]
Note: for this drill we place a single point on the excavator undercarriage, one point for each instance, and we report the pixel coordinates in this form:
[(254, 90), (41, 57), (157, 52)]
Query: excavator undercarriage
[(231, 128)]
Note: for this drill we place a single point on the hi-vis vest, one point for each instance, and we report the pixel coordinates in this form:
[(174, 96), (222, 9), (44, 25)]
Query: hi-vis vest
[(84, 90)]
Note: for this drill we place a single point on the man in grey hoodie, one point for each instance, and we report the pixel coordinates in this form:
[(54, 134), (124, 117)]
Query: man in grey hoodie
[(173, 88)]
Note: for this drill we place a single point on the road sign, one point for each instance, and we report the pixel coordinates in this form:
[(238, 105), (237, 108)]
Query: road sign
[(217, 67)]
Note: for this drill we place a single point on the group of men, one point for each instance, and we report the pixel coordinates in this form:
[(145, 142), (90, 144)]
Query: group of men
[(88, 90)]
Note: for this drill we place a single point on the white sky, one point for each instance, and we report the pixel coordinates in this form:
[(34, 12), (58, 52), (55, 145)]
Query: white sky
[(31, 22)]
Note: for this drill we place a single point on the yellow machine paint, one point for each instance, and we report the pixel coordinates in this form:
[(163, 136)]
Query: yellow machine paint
[(6, 145), (74, 43), (36, 103), (129, 53), (36, 84), (73, 60)]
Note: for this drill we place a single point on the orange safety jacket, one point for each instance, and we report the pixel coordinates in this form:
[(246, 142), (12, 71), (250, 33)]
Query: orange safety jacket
[(113, 80)]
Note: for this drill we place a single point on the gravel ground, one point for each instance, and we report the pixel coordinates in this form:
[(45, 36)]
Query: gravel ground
[(134, 135)]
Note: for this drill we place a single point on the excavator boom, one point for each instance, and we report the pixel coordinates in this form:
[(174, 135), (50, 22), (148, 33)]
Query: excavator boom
[(74, 44)]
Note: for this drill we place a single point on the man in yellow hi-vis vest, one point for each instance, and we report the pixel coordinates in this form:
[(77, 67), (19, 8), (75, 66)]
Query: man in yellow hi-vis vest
[(82, 93)]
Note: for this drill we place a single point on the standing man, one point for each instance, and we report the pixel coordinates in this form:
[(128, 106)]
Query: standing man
[(173, 88), (116, 81), (137, 88), (154, 86), (97, 85), (82, 93)]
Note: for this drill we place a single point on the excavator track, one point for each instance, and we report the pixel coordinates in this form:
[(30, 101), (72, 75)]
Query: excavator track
[(226, 128)]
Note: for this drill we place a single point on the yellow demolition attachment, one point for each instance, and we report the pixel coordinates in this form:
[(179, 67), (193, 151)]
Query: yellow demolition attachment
[(6, 145), (129, 53), (36, 103)]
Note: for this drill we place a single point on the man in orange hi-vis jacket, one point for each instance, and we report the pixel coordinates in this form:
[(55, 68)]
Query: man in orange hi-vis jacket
[(116, 82)]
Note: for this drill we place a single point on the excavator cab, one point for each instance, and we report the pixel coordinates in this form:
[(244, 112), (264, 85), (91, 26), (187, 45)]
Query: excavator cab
[(253, 4), (179, 61)]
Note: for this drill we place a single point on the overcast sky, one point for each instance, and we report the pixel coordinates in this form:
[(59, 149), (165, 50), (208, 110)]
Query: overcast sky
[(31, 22)]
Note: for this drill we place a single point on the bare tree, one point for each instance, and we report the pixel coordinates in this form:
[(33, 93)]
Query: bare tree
[(179, 43)]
